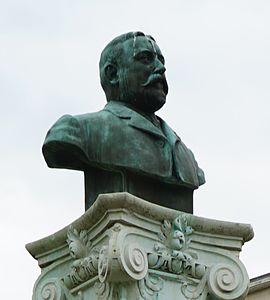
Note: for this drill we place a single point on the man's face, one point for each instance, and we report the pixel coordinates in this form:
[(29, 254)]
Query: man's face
[(142, 81)]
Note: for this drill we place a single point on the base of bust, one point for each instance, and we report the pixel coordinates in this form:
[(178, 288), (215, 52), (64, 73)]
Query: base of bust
[(126, 248), (99, 181)]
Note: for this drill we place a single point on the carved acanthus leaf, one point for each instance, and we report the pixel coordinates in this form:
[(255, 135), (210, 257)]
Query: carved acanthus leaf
[(103, 290), (181, 223), (79, 243), (165, 230), (172, 254), (85, 264), (150, 286), (174, 235)]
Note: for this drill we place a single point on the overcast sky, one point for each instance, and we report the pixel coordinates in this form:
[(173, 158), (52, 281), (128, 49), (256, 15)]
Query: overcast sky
[(218, 63)]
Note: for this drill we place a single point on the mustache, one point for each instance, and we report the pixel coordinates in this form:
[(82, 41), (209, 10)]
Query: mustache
[(153, 78)]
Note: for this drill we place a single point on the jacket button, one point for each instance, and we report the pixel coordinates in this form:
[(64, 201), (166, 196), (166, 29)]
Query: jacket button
[(160, 143)]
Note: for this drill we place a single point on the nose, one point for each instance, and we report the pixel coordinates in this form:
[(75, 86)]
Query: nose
[(159, 67)]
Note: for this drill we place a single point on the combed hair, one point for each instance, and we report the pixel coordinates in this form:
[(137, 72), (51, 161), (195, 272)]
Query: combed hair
[(111, 54)]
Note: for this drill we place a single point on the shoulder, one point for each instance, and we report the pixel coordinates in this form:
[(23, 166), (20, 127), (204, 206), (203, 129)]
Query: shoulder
[(68, 123), (64, 143), (63, 129), (68, 141), (90, 119)]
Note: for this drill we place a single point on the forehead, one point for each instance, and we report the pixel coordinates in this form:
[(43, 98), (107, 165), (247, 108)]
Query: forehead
[(139, 44)]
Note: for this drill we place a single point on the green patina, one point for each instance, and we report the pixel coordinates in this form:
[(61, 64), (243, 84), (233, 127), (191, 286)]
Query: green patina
[(125, 147)]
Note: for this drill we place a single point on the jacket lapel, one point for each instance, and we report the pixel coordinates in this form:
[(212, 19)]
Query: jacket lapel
[(134, 119), (171, 136), (185, 165)]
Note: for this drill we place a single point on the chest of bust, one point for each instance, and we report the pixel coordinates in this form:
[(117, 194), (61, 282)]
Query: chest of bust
[(120, 142)]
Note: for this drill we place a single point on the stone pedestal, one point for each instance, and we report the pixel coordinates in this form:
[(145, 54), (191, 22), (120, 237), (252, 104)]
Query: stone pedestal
[(126, 248)]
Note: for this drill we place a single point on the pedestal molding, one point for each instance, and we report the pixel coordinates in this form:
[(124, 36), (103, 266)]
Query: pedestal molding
[(143, 252), (108, 202)]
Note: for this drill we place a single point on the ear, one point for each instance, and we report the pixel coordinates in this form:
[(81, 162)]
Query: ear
[(111, 73)]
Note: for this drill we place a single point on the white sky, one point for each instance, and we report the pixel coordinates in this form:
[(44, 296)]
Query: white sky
[(218, 64)]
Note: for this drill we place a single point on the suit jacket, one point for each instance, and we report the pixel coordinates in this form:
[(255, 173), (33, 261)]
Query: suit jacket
[(118, 137)]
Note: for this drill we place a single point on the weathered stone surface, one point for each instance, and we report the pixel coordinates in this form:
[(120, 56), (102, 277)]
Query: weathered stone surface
[(126, 248)]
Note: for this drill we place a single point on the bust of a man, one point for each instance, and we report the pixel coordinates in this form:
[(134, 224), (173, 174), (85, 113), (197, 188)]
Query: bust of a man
[(126, 146)]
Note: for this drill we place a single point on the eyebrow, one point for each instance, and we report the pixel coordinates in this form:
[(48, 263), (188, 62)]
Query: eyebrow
[(135, 53), (146, 50), (152, 43), (141, 51), (159, 55)]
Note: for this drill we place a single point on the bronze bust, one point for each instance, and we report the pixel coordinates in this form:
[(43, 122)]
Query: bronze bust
[(125, 146)]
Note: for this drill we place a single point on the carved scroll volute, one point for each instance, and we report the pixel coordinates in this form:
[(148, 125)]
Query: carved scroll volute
[(133, 260), (228, 282), (50, 290), (121, 260)]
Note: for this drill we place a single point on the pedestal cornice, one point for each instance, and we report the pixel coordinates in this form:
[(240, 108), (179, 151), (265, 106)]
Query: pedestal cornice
[(126, 248)]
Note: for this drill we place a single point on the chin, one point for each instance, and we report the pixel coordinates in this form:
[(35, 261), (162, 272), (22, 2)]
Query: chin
[(153, 105), (149, 101), (155, 101)]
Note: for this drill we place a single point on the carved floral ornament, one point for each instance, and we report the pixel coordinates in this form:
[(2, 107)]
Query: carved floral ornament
[(114, 263)]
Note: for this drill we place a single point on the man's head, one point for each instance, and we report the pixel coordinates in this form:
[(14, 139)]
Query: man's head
[(132, 70)]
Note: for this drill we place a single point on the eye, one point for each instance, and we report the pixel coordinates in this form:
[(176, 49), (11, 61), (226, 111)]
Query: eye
[(161, 59), (145, 57)]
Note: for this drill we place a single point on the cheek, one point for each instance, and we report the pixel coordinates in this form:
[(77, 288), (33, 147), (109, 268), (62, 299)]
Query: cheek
[(142, 74), (138, 74)]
